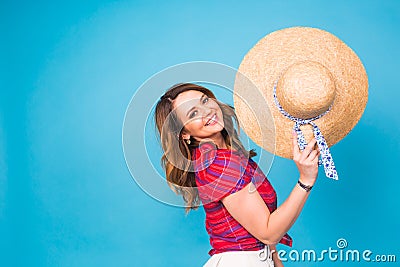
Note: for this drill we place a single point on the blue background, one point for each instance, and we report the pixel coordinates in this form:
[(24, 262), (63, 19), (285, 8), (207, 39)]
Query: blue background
[(68, 71)]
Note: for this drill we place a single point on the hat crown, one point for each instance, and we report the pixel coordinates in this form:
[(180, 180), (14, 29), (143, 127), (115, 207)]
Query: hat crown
[(306, 89)]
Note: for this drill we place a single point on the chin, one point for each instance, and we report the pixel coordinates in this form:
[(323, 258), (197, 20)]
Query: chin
[(214, 129)]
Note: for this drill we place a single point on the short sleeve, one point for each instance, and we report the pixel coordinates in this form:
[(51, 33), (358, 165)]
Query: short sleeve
[(220, 173)]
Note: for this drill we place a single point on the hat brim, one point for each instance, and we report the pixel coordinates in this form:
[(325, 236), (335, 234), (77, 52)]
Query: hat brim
[(266, 62)]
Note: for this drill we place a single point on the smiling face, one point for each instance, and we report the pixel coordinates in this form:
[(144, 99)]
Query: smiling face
[(201, 116)]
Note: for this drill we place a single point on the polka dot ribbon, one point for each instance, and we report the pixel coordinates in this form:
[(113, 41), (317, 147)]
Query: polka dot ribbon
[(326, 157)]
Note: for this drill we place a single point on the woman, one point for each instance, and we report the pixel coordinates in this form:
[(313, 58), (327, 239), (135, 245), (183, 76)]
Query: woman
[(212, 165)]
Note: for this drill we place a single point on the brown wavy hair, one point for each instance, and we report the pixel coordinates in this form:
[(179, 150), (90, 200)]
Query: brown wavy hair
[(177, 162)]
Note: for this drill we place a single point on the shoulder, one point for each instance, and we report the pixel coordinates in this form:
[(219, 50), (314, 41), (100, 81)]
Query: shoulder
[(207, 154)]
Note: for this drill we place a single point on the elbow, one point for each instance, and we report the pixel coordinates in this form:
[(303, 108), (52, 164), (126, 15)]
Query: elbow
[(270, 240)]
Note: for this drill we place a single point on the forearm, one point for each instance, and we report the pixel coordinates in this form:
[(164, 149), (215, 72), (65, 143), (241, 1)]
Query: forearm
[(280, 221), (275, 256)]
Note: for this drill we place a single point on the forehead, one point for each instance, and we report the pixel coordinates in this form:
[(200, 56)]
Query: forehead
[(186, 99)]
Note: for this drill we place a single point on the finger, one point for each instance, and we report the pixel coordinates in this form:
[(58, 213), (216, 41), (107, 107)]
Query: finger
[(296, 150), (312, 143), (307, 150), (317, 151), (313, 155), (316, 159)]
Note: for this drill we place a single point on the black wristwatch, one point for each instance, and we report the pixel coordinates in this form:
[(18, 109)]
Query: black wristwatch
[(305, 187)]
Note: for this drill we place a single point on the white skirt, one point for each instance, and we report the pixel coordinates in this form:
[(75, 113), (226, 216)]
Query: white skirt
[(255, 258)]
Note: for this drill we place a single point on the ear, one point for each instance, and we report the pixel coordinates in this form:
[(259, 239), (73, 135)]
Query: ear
[(185, 135)]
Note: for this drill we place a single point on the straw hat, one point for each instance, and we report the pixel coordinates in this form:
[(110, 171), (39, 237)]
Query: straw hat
[(316, 77)]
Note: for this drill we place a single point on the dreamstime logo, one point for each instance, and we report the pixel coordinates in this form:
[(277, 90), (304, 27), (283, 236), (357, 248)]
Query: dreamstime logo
[(341, 243), (332, 254)]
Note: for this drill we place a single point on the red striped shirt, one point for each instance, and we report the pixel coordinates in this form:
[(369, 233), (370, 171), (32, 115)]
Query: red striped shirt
[(220, 172)]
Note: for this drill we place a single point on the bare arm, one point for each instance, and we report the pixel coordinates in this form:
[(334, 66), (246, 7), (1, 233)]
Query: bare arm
[(250, 210), (275, 256)]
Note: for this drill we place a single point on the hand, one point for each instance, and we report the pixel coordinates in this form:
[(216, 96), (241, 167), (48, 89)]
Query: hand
[(306, 161)]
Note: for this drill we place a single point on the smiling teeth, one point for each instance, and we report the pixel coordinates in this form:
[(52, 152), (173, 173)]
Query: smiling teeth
[(211, 120)]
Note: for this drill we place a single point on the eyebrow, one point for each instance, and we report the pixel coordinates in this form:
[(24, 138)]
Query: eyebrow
[(194, 107)]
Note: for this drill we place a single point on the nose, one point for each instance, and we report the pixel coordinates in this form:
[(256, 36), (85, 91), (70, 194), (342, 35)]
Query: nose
[(207, 115), (204, 111)]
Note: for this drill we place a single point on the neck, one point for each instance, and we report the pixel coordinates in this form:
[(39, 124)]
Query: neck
[(218, 140)]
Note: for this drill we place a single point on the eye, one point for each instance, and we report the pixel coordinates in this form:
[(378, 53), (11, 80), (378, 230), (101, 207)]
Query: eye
[(205, 100), (193, 114)]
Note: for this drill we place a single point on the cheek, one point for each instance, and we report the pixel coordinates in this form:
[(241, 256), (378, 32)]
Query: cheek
[(221, 115), (194, 124), (218, 108)]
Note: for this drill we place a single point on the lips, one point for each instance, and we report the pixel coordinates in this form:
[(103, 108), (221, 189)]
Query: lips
[(212, 120)]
